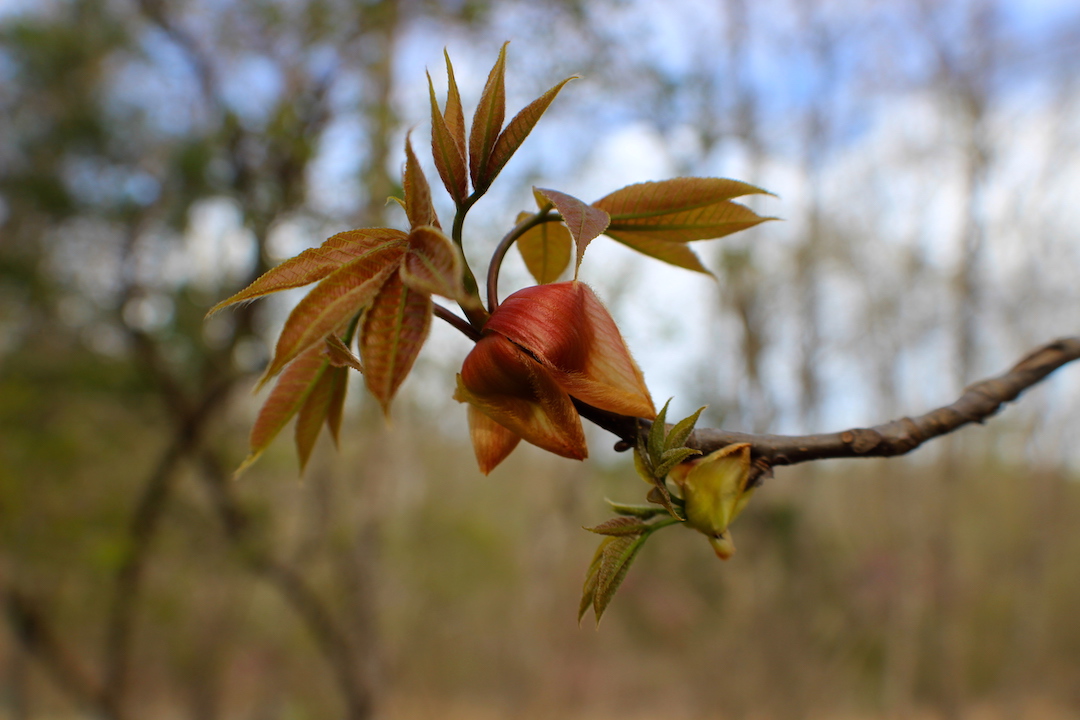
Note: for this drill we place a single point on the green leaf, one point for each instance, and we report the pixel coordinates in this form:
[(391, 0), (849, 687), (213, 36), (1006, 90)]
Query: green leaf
[(517, 130), (584, 221), (659, 494), (615, 562), (285, 400), (682, 430), (448, 153), (314, 264), (394, 329), (656, 436), (418, 205), (673, 457), (545, 248), (333, 302), (641, 462), (487, 123), (619, 526)]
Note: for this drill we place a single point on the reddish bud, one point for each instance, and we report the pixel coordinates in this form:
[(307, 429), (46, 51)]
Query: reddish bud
[(542, 346), (567, 328)]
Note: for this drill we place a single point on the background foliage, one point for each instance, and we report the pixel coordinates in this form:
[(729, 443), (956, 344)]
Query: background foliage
[(157, 155)]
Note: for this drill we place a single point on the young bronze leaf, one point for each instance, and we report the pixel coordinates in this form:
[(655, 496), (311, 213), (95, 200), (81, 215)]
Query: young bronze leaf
[(585, 222), (454, 116), (648, 199), (449, 155), (334, 301), (394, 329), (314, 264), (588, 591), (707, 223), (340, 387), (511, 138), (312, 414), (487, 122), (678, 254), (433, 265), (545, 248), (614, 564), (285, 400), (340, 355), (679, 210), (418, 205)]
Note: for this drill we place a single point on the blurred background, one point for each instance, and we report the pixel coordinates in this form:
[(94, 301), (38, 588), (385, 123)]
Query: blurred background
[(157, 155)]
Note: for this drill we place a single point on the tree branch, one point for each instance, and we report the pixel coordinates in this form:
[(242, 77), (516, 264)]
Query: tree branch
[(979, 401)]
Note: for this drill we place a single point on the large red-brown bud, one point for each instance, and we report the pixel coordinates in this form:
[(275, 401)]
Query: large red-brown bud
[(567, 328), (543, 345)]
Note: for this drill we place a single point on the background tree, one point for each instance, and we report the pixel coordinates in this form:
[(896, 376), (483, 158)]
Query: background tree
[(154, 158)]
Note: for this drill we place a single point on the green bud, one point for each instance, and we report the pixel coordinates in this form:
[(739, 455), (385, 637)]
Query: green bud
[(715, 491)]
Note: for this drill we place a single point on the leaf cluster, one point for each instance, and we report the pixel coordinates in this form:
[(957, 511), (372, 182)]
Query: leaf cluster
[(655, 455)]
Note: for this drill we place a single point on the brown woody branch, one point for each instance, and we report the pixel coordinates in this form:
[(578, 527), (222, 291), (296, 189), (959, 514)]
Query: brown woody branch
[(979, 401)]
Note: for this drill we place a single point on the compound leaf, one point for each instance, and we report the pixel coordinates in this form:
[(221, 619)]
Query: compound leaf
[(314, 264)]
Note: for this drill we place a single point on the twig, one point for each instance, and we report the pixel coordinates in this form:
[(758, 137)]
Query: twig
[(329, 636), (460, 323), (32, 631), (979, 402)]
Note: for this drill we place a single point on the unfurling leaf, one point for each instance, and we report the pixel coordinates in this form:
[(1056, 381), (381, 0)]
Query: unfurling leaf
[(433, 265), (340, 355), (592, 574), (449, 154), (615, 562), (335, 301), (584, 221), (620, 526), (393, 331), (285, 400), (337, 400), (454, 115), (673, 457), (487, 123), (657, 430), (314, 264), (418, 205), (545, 248), (518, 129), (639, 511), (645, 216), (680, 433), (313, 413)]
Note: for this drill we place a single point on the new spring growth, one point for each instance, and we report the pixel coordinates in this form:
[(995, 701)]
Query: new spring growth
[(714, 490)]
